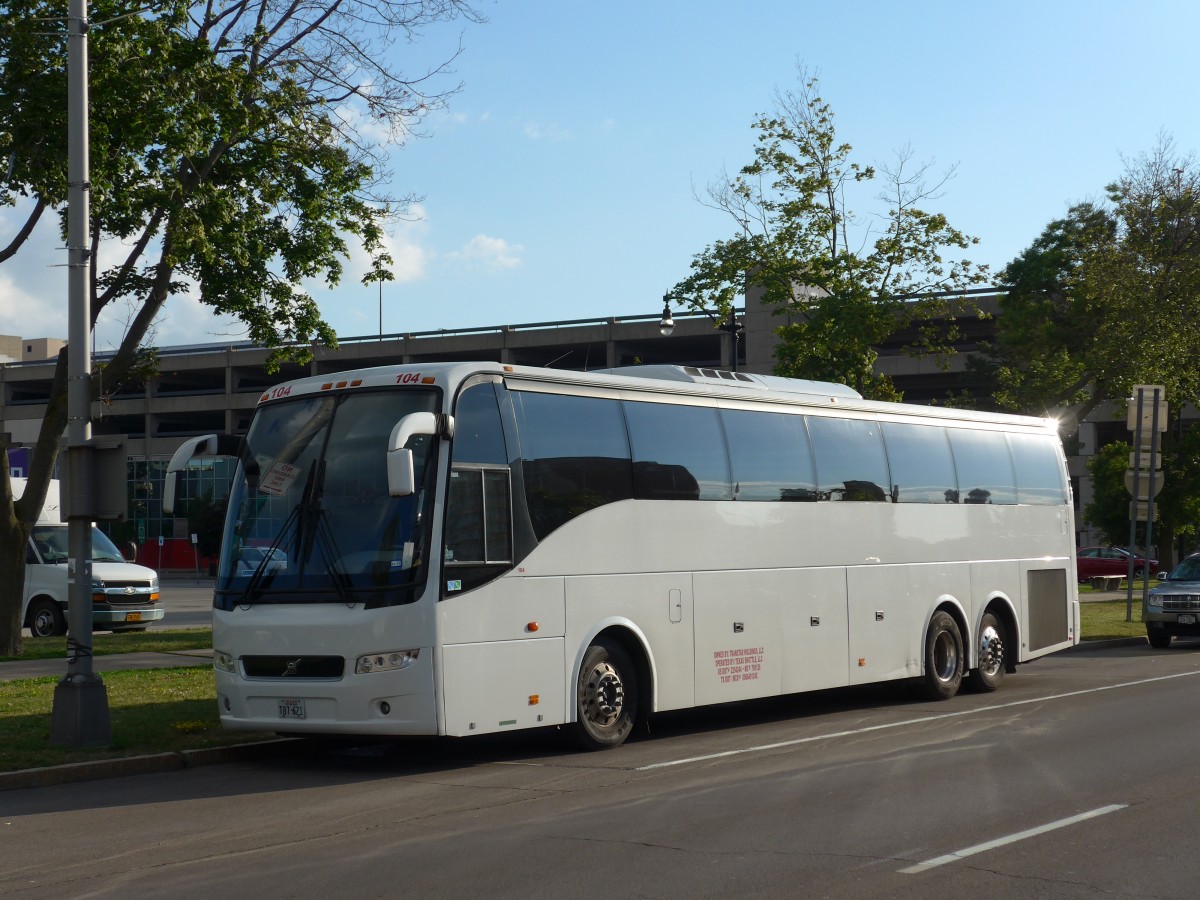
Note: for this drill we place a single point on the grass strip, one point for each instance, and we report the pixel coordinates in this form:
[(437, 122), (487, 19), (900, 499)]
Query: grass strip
[(106, 643), (1102, 620), (151, 711)]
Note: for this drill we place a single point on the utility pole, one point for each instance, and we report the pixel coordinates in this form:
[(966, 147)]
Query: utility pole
[(80, 717)]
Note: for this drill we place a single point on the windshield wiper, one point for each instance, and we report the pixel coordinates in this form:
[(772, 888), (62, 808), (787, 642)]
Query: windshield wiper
[(310, 524)]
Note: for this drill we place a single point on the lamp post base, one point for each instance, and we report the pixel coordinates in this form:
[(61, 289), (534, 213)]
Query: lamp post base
[(80, 716)]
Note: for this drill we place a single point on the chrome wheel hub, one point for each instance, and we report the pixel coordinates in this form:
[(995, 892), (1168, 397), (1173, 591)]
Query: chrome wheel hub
[(604, 695), (991, 651)]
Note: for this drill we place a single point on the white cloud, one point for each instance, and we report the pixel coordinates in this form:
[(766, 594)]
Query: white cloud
[(33, 282), (553, 133), (494, 253), (404, 243)]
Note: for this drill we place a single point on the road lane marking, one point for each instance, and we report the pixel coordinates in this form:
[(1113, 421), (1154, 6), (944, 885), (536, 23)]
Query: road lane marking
[(918, 721), (1010, 839)]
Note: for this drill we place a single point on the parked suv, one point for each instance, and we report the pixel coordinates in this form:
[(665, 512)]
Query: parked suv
[(1172, 609)]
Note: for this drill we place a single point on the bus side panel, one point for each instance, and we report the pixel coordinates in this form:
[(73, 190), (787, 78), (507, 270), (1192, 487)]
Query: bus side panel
[(739, 646), (502, 656), (815, 630), (792, 637), (889, 606), (504, 610), (503, 685), (1044, 593), (1049, 592), (659, 605)]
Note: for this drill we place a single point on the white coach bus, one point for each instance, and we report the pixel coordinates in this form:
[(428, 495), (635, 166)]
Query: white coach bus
[(464, 548)]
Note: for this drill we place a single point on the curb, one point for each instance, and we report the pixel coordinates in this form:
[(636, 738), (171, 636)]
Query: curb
[(144, 765), (1105, 645)]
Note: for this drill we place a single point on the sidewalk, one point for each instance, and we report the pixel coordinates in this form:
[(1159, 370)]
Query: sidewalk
[(115, 662)]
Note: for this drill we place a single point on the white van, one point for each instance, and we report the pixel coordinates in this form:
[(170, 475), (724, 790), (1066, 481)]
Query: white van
[(125, 596)]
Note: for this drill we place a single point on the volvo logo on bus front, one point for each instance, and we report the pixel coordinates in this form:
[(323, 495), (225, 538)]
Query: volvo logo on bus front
[(292, 668)]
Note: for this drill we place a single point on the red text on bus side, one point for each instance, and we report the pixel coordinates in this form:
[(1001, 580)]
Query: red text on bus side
[(408, 378), (741, 664)]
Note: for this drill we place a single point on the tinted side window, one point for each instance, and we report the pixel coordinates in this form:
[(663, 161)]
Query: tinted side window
[(575, 453), (851, 464), (478, 436), (678, 452), (770, 455), (921, 465), (1039, 475), (985, 471)]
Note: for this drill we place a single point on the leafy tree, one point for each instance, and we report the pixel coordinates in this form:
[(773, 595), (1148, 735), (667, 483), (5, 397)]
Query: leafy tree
[(845, 282), (1177, 506), (1107, 297), (224, 155), (1109, 509)]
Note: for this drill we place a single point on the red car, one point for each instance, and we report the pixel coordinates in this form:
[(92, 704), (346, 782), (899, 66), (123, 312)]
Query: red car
[(1091, 561)]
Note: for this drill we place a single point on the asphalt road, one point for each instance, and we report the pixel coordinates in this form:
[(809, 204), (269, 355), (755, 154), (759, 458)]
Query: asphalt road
[(1076, 779), (188, 603)]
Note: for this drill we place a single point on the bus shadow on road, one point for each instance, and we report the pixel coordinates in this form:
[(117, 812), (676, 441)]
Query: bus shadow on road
[(556, 745)]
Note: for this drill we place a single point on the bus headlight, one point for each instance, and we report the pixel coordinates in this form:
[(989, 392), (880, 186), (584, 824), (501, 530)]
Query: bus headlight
[(386, 662), (223, 662)]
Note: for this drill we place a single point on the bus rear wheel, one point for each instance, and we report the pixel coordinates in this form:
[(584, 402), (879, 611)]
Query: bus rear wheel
[(606, 696), (943, 657), (990, 673)]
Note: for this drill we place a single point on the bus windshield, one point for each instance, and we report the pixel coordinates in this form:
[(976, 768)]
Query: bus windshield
[(310, 518)]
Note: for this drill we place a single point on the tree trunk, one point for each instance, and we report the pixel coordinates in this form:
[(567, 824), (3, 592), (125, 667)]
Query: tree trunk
[(17, 517), (13, 538)]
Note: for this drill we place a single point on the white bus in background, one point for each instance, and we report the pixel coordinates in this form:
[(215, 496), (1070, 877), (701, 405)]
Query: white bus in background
[(464, 548)]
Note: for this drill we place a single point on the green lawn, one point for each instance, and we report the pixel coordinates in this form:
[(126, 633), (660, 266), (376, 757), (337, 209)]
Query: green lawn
[(106, 643), (1105, 619), (151, 711)]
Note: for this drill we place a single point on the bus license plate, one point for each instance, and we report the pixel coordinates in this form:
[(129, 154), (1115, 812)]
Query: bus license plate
[(1187, 619), (291, 708), (133, 617)]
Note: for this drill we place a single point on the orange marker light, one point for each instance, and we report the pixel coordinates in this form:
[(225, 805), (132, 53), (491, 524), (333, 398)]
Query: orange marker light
[(532, 626), (862, 662), (534, 699)]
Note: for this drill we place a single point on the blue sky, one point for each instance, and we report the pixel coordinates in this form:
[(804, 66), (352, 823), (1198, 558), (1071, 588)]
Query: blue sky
[(560, 183)]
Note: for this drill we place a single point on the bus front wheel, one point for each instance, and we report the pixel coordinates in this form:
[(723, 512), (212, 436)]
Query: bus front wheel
[(943, 657), (606, 696)]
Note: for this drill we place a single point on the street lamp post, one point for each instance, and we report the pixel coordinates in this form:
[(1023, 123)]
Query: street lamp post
[(80, 714), (730, 325)]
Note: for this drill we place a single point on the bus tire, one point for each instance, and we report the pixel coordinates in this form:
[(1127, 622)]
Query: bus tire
[(45, 618), (943, 657), (992, 656), (606, 696)]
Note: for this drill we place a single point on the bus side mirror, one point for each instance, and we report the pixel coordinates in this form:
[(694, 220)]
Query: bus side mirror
[(400, 476), (205, 445)]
